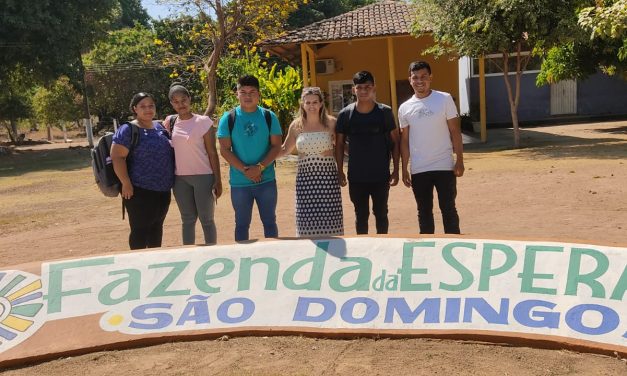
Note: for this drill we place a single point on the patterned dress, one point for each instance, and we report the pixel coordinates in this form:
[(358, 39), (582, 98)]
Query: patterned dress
[(318, 195)]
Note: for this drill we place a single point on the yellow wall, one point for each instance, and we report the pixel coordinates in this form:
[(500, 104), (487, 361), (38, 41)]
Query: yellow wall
[(351, 57)]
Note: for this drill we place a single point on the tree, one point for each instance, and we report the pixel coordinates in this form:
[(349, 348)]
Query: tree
[(598, 42), (130, 13), (318, 10), (120, 66), (60, 102), (15, 100), (479, 27), (220, 23)]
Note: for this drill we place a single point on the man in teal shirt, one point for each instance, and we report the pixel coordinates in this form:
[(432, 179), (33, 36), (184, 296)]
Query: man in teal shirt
[(250, 149)]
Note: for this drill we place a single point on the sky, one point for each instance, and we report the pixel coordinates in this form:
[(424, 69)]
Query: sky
[(156, 10)]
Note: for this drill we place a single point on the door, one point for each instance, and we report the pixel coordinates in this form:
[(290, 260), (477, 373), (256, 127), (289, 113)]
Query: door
[(564, 97)]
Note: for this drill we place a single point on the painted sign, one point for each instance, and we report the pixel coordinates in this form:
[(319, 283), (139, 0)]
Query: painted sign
[(568, 293)]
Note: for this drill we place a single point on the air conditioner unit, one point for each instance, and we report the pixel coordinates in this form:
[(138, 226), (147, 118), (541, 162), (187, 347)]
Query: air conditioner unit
[(325, 66)]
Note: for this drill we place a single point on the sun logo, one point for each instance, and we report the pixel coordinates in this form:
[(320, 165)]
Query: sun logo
[(21, 303)]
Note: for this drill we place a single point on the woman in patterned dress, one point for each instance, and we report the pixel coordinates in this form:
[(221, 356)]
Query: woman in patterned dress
[(318, 194)]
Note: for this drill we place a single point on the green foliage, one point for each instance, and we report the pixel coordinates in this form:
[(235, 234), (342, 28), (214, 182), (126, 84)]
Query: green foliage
[(60, 102), (318, 10), (130, 13), (15, 99), (120, 66), (280, 89)]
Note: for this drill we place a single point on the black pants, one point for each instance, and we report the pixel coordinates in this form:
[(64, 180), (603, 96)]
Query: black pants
[(146, 212), (445, 184), (360, 194)]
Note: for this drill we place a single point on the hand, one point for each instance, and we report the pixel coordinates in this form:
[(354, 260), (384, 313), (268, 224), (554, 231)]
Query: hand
[(217, 189), (127, 190), (341, 178), (406, 178), (394, 178), (459, 169), (253, 173)]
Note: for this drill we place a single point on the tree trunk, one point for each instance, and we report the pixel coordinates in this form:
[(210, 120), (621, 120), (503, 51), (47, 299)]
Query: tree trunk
[(49, 131), (13, 134), (513, 102)]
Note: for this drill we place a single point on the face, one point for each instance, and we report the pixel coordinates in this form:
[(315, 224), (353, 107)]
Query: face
[(181, 103), (420, 81), (311, 104), (145, 109), (248, 97), (365, 92)]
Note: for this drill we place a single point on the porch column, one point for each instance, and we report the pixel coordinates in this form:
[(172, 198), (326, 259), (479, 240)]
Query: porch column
[(303, 62), (391, 66), (312, 65), (482, 108)]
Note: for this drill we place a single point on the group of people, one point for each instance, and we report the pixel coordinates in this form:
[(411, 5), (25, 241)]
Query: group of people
[(181, 154)]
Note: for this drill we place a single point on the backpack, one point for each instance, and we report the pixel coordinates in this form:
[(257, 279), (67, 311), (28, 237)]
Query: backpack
[(102, 165), (266, 115), (388, 119)]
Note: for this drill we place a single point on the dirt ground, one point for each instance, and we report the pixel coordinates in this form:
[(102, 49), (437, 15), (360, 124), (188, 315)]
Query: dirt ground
[(567, 183)]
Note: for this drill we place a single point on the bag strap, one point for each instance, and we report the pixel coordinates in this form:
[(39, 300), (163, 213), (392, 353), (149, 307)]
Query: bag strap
[(231, 121), (172, 122)]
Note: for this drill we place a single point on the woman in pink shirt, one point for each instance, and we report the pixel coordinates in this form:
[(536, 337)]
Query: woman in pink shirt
[(197, 183)]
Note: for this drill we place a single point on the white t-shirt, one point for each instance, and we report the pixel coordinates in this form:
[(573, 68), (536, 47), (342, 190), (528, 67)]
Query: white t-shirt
[(430, 146)]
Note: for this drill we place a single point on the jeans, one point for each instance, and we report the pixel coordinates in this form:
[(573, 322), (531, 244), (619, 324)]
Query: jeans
[(195, 199), (146, 212), (360, 194), (445, 184), (242, 199)]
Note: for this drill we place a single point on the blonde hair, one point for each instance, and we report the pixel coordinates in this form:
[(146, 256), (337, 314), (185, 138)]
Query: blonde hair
[(325, 119)]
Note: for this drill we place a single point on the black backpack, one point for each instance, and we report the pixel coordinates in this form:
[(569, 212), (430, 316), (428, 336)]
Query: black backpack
[(266, 115), (106, 179)]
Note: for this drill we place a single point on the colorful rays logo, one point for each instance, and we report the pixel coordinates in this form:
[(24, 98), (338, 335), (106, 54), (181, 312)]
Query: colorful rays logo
[(21, 303)]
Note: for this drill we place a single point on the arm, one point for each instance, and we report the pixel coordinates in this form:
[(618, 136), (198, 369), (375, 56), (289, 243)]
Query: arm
[(118, 157), (396, 149), (405, 156), (339, 158), (254, 173), (290, 141), (209, 139), (454, 129)]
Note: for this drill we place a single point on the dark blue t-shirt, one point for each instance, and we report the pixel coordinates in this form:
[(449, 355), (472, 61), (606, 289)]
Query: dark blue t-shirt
[(369, 146), (151, 161)]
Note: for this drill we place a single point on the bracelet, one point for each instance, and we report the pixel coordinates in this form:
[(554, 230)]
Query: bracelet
[(261, 166)]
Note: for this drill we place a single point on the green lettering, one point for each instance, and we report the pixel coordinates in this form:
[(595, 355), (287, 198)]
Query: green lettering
[(133, 284), (202, 277), (621, 287), (467, 277), (362, 282), (162, 288), (487, 271), (245, 271), (528, 274), (55, 280), (317, 267), (406, 271), (574, 269)]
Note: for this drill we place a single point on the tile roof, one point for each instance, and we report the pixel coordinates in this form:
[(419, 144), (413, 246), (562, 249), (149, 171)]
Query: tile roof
[(384, 18)]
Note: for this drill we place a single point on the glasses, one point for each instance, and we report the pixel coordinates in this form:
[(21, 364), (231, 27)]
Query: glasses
[(312, 90)]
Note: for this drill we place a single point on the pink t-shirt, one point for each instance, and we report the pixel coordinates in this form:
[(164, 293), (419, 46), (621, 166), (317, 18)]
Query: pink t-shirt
[(189, 147)]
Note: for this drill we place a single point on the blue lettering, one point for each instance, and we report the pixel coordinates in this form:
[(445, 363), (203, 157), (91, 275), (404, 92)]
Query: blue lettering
[(161, 319), (196, 310), (609, 321), (453, 308), (348, 310), (430, 306), (248, 308), (524, 313), (302, 309), (486, 311)]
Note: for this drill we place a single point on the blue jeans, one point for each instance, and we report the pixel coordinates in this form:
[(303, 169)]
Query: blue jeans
[(242, 199)]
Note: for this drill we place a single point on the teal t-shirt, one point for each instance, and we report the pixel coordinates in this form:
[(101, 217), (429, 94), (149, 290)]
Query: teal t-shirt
[(250, 142)]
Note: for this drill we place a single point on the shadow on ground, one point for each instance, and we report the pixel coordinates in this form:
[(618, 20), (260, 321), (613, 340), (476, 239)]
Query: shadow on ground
[(25, 161), (539, 144)]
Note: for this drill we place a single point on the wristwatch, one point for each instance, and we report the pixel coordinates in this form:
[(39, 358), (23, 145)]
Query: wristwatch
[(261, 166)]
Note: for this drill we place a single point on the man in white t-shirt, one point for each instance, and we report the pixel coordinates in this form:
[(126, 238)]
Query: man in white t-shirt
[(430, 134)]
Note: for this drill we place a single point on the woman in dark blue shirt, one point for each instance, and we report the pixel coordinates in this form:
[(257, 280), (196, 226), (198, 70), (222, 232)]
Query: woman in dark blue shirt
[(146, 171)]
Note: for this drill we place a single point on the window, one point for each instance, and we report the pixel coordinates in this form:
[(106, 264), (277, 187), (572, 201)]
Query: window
[(341, 95), (494, 62)]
